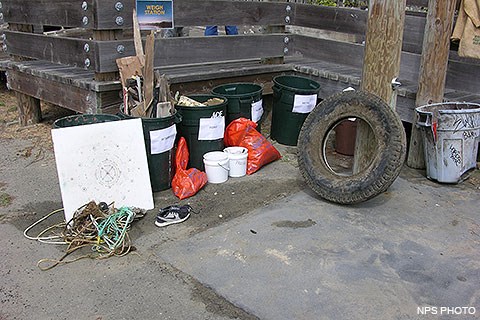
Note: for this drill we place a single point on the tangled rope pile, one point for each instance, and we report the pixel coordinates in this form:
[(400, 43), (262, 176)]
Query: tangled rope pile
[(101, 227)]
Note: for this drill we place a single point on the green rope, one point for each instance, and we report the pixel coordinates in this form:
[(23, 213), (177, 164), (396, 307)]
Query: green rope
[(113, 229)]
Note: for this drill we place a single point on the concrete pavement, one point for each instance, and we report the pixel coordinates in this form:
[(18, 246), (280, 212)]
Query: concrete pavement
[(262, 246)]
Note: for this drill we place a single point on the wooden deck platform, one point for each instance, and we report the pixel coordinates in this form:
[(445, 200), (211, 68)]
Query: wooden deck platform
[(80, 73)]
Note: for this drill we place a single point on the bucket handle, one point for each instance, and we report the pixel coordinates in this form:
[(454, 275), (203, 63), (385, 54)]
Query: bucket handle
[(228, 169)]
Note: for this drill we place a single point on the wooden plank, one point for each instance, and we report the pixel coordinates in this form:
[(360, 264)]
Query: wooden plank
[(463, 76), (354, 21), (205, 86), (64, 74), (176, 51), (339, 19), (48, 12), (111, 15), (418, 3), (211, 71), (148, 72), (204, 13), (137, 39), (103, 35), (433, 69), (53, 49), (70, 97), (197, 13), (413, 33), (344, 53)]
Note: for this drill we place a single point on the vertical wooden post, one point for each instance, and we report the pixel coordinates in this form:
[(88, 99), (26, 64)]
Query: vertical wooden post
[(433, 68), (105, 35), (381, 64), (29, 111), (269, 29)]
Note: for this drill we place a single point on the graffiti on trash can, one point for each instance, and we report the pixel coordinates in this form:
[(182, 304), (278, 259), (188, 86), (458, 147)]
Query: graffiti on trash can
[(217, 114), (465, 121), (469, 134), (455, 156)]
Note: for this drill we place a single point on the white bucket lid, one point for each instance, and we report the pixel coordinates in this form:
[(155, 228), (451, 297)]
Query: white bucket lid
[(215, 156), (236, 150)]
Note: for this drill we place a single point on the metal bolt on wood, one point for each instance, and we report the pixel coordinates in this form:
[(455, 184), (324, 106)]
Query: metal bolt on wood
[(87, 63), (119, 6), (285, 50), (119, 21), (86, 47), (286, 40), (85, 21), (120, 48), (287, 19), (85, 6), (288, 8)]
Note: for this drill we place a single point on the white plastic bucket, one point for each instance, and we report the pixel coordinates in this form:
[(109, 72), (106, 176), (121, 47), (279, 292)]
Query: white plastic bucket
[(216, 166), (237, 157)]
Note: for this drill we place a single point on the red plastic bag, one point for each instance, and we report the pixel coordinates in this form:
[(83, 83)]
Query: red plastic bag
[(186, 183), (242, 133)]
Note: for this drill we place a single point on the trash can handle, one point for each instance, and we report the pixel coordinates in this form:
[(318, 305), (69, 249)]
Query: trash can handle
[(177, 118), (424, 120), (277, 90), (247, 100)]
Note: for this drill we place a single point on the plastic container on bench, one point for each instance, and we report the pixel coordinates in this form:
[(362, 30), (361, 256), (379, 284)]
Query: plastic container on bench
[(294, 98), (203, 128), (451, 133), (244, 100), (160, 155)]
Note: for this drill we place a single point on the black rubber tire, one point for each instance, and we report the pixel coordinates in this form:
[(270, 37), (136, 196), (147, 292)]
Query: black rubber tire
[(386, 164)]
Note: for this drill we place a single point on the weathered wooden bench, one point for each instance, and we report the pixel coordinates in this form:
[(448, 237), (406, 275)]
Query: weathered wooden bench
[(78, 71)]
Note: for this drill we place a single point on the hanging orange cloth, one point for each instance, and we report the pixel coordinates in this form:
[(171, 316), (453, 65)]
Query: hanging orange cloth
[(467, 29)]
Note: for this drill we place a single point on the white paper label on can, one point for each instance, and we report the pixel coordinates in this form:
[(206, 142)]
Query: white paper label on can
[(162, 140), (257, 110), (211, 128), (304, 103)]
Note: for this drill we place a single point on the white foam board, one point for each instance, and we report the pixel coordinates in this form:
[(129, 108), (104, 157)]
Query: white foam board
[(102, 162)]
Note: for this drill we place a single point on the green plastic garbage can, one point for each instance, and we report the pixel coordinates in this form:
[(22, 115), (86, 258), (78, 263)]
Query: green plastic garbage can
[(203, 128), (81, 119), (244, 101), (294, 98), (160, 159)]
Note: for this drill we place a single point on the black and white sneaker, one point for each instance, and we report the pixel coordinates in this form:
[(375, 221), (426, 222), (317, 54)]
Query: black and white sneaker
[(172, 214)]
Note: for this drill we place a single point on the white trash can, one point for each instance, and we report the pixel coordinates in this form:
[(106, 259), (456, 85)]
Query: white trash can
[(451, 135)]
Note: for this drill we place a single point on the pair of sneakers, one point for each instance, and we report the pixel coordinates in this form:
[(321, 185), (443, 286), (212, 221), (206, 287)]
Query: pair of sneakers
[(172, 214)]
